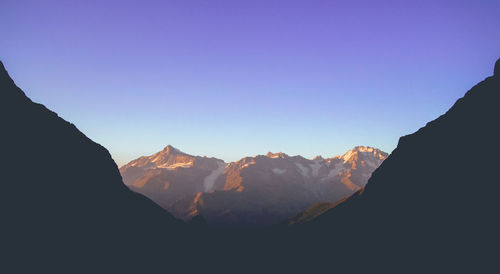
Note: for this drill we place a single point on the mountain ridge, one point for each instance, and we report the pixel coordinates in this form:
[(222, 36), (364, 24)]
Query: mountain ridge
[(186, 189)]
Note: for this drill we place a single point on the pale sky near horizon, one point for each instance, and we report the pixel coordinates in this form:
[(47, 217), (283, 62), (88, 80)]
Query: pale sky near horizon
[(231, 79)]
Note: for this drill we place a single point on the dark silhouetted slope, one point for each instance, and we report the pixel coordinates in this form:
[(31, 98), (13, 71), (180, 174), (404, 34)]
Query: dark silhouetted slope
[(435, 200), (311, 213), (63, 202)]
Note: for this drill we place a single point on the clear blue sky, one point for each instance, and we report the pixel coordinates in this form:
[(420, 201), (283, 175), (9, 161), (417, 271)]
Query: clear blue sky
[(236, 78)]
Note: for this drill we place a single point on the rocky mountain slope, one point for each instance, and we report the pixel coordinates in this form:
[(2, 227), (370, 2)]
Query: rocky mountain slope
[(63, 202), (434, 200), (254, 191)]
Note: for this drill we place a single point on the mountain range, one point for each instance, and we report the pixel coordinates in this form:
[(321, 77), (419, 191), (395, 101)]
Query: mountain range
[(254, 191), (431, 206)]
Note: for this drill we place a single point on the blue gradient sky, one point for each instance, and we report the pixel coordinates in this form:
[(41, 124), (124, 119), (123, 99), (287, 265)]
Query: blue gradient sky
[(236, 78)]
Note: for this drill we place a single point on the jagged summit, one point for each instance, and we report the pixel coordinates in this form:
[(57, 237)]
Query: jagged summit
[(169, 149), (364, 149), (318, 158), (353, 154), (276, 155), (169, 160), (245, 192)]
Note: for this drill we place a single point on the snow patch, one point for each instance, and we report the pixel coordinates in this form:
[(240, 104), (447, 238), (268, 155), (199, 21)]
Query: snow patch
[(315, 169), (177, 165), (347, 156), (157, 158), (365, 149), (279, 171), (209, 181), (335, 171), (248, 164), (303, 170)]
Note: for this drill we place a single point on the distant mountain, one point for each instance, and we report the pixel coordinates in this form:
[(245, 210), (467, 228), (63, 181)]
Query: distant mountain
[(254, 191), (172, 178), (434, 202)]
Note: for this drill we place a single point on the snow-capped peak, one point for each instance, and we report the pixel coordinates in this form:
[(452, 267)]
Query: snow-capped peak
[(354, 154), (169, 149), (276, 155)]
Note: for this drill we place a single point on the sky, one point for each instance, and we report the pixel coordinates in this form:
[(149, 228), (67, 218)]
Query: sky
[(231, 79)]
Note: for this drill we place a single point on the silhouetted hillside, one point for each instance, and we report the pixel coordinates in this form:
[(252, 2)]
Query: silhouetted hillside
[(63, 200), (435, 200)]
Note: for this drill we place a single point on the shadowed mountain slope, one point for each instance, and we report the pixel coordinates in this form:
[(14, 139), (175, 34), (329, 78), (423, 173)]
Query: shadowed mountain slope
[(434, 200), (62, 195)]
